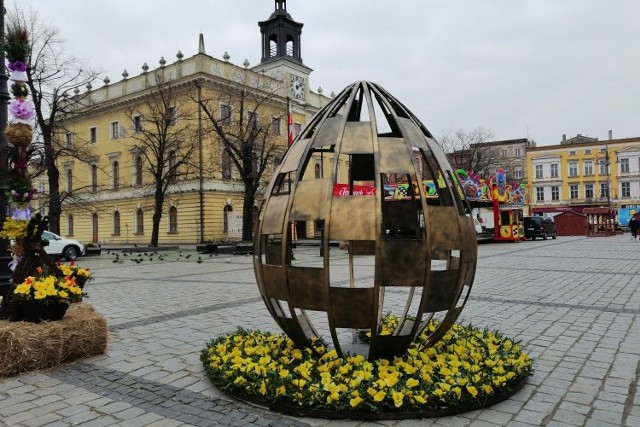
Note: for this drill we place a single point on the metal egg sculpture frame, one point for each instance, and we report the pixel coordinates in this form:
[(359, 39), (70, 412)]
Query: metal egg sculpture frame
[(368, 174)]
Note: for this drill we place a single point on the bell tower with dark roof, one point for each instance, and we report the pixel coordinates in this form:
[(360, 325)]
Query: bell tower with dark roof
[(281, 52), (280, 35)]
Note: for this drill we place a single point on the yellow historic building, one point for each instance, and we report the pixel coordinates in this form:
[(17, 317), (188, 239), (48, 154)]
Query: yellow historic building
[(583, 172), (108, 186)]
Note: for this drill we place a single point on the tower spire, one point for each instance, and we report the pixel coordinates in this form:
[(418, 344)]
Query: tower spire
[(201, 44)]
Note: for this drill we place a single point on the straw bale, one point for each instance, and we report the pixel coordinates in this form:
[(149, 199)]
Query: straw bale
[(28, 346)]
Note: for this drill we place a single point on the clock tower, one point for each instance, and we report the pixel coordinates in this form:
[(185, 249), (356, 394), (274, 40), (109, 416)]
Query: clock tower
[(281, 52)]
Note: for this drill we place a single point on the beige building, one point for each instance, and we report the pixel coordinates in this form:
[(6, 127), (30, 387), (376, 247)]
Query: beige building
[(111, 192), (583, 172)]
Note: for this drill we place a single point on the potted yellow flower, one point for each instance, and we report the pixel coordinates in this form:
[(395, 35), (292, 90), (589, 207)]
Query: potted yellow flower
[(80, 274), (46, 297)]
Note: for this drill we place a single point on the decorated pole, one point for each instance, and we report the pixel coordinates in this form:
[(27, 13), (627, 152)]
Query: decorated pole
[(5, 258)]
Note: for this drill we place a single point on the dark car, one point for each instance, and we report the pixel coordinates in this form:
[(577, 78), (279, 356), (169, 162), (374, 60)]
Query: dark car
[(538, 226)]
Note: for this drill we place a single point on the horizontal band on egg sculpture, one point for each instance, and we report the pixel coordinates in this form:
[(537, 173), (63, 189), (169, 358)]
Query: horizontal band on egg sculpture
[(377, 198)]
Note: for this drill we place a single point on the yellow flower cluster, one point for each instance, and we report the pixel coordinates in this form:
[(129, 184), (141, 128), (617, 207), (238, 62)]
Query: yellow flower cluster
[(14, 229), (48, 288), (73, 270), (467, 365)]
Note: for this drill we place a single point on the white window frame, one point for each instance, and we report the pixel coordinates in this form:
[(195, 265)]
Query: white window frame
[(588, 167), (574, 191), (114, 128)]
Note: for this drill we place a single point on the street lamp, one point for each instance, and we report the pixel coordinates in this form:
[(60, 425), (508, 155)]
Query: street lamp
[(606, 163)]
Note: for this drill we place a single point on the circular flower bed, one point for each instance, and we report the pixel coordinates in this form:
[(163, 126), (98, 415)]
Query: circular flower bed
[(468, 369)]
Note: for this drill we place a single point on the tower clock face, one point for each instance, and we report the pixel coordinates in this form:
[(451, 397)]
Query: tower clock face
[(297, 87)]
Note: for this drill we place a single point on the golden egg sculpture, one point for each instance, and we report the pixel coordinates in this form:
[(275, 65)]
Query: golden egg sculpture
[(367, 175)]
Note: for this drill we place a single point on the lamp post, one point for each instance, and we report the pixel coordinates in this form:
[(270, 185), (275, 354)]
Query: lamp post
[(606, 163)]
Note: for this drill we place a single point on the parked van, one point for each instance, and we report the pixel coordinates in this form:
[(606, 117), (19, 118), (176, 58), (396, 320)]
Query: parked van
[(538, 226)]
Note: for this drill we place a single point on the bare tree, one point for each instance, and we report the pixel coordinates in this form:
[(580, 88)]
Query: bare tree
[(165, 138), (243, 121), (51, 76), (471, 151)]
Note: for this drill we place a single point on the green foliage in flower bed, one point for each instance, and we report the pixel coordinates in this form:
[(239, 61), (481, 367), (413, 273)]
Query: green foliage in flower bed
[(467, 367)]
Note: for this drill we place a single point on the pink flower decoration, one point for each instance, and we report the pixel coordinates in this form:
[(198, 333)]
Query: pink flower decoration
[(17, 66), (21, 109)]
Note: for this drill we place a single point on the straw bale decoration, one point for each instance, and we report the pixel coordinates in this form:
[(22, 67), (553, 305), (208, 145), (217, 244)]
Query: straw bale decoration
[(43, 321)]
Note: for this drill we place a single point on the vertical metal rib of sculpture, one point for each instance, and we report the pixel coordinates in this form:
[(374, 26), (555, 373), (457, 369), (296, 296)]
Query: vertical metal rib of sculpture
[(392, 196)]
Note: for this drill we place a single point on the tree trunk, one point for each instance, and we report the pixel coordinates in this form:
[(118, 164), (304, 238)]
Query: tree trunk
[(247, 215), (55, 204), (157, 216)]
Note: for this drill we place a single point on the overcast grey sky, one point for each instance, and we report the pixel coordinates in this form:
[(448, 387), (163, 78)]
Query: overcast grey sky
[(520, 68)]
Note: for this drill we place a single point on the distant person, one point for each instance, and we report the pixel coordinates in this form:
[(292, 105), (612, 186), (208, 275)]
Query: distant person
[(634, 225)]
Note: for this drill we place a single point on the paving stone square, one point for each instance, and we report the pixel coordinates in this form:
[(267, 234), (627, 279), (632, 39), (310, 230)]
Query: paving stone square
[(573, 302)]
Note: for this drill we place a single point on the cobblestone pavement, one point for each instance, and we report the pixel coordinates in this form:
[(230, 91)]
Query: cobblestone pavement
[(574, 302)]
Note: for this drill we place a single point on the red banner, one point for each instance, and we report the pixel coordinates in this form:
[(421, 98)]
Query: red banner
[(358, 190)]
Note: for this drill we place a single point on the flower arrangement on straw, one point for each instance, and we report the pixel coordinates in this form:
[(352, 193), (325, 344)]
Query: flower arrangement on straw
[(47, 289), (81, 275), (466, 367)]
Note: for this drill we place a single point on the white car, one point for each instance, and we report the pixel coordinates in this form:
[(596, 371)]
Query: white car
[(60, 247)]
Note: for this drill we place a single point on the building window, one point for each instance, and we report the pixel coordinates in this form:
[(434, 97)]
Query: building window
[(68, 139), (225, 114), (225, 220), (517, 152), (624, 165), (115, 130), (173, 219), (275, 126), (573, 191), (504, 152), (137, 124), (588, 167), (172, 172), (226, 164), (93, 135), (604, 167), (171, 116), (139, 164), (554, 170), (604, 190), (588, 191), (587, 151), (555, 192), (70, 225), (297, 128), (518, 173), (252, 120), (116, 223), (139, 221), (625, 188), (540, 194), (94, 178), (572, 152), (538, 171), (69, 180), (573, 168), (115, 171)]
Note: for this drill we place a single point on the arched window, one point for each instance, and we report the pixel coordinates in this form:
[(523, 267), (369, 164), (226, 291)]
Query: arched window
[(317, 170), (225, 221), (116, 223), (173, 219), (139, 221), (69, 180), (138, 170), (94, 178), (70, 225), (226, 164), (116, 175)]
